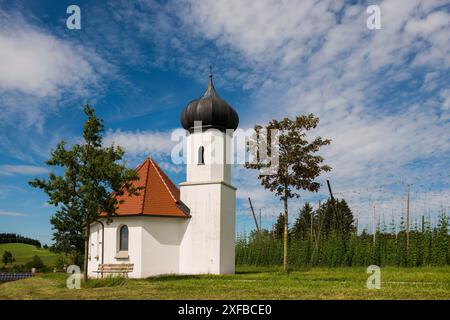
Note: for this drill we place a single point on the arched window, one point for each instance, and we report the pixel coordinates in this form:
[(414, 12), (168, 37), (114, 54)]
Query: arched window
[(123, 238), (201, 155)]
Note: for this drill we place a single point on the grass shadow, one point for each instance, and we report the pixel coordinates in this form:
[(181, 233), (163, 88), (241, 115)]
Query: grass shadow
[(251, 272), (174, 277), (111, 281)]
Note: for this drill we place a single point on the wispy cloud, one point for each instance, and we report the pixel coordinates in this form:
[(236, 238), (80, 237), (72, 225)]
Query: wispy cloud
[(12, 214), (41, 73), (141, 143), (37, 63), (11, 170), (381, 95)]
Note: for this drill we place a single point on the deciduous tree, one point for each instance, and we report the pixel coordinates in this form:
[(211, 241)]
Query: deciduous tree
[(299, 164), (92, 175)]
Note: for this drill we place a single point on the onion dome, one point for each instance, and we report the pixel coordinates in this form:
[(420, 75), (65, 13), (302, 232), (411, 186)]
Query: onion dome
[(211, 110)]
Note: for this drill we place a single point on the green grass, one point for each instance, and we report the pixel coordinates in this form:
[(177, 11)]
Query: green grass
[(248, 283), (23, 253)]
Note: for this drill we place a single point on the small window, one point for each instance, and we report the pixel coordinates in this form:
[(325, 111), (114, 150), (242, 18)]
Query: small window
[(123, 238), (201, 155)]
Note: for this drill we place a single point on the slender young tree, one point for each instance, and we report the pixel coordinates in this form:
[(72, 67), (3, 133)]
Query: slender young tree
[(91, 177), (298, 164)]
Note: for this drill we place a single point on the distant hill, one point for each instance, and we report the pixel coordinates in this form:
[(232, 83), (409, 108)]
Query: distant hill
[(23, 253), (17, 238)]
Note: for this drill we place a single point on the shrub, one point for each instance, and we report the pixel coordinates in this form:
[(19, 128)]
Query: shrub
[(8, 257), (37, 263), (61, 262)]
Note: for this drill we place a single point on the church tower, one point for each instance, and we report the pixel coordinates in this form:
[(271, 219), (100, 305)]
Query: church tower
[(208, 244)]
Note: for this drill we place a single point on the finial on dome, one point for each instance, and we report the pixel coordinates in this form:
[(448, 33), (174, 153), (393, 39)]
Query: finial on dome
[(210, 82), (213, 111), (210, 90)]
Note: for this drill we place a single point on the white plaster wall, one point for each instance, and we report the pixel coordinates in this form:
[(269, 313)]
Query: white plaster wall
[(153, 244), (208, 243), (95, 247), (161, 239), (111, 245), (217, 157), (227, 227)]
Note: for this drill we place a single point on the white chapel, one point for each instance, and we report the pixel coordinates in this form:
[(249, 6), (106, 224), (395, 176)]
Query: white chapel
[(185, 230)]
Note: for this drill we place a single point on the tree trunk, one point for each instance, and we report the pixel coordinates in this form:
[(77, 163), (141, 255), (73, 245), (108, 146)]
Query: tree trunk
[(86, 252), (285, 236)]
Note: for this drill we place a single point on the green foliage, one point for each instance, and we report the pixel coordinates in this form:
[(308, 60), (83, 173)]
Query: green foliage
[(427, 246), (303, 225), (68, 230), (92, 180), (298, 166), (16, 238), (37, 263), (23, 253), (7, 257), (278, 228), (61, 262), (440, 245), (261, 250), (64, 260), (329, 221)]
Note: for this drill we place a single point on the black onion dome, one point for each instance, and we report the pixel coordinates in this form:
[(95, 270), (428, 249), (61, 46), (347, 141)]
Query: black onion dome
[(211, 110)]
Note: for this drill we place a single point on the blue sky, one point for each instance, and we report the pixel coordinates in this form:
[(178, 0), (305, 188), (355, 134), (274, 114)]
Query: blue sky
[(383, 96)]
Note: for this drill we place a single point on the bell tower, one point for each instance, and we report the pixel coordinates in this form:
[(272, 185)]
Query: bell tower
[(208, 244)]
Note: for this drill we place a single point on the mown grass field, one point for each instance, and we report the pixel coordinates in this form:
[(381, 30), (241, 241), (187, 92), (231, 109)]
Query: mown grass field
[(25, 252), (248, 283)]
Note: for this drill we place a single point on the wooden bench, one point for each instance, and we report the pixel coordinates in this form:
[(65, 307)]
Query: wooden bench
[(118, 268)]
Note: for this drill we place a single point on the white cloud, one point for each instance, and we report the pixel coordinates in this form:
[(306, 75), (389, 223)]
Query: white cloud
[(6, 190), (40, 74), (445, 95), (168, 166), (37, 63), (141, 143), (12, 214), (428, 25), (11, 170), (381, 95)]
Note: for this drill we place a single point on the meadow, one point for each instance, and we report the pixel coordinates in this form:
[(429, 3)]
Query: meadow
[(23, 253), (249, 282)]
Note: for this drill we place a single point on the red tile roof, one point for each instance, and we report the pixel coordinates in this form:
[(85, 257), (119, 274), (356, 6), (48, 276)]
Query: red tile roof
[(159, 196)]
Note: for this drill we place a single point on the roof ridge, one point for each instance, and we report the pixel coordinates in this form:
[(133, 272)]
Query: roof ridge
[(145, 187), (162, 179), (166, 178)]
